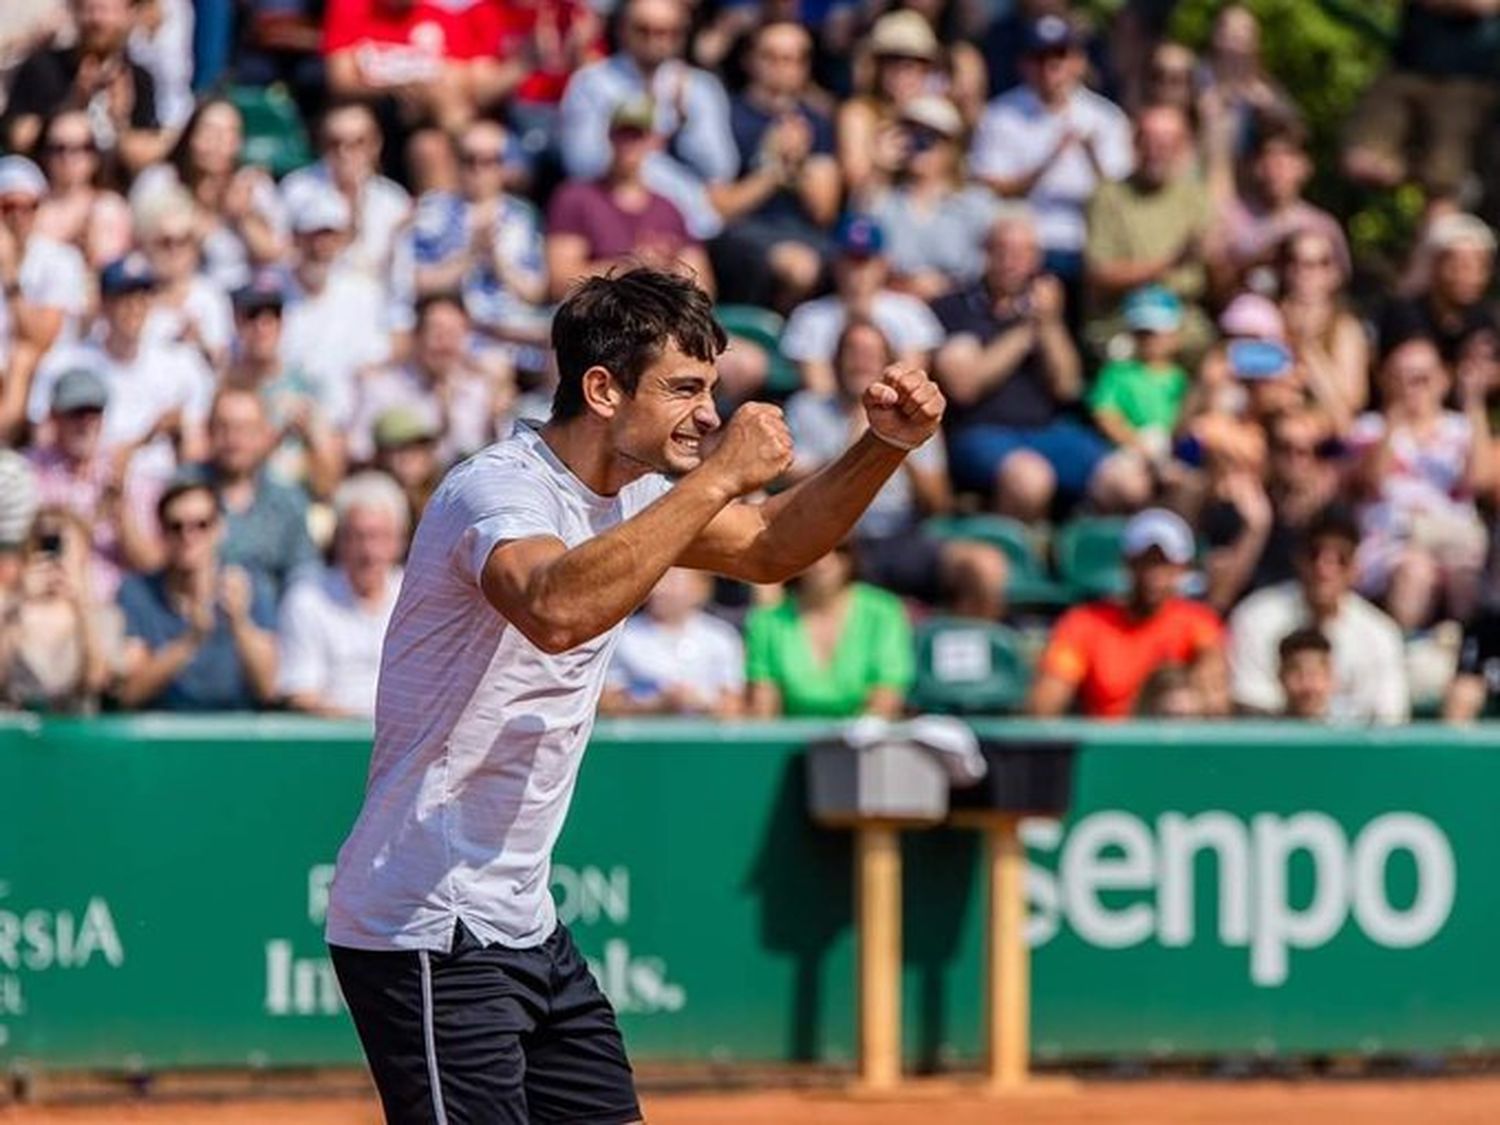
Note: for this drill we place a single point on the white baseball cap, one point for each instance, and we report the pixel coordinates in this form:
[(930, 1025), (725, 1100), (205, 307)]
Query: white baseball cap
[(319, 211), (1159, 529), (19, 176)]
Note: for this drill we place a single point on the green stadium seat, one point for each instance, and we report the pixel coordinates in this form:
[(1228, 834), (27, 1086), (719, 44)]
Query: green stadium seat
[(1029, 584), (275, 138), (1088, 557), (969, 667), (763, 327)]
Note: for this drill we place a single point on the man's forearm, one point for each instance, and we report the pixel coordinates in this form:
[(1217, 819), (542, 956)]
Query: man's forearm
[(587, 590)]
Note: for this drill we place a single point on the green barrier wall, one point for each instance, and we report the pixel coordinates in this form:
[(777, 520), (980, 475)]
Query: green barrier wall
[(1216, 889)]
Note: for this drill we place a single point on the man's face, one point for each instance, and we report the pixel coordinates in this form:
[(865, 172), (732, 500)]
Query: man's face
[(238, 434), (655, 31), (859, 276), (173, 248), (441, 338), (630, 145), (413, 464), (678, 595), (1280, 171), (481, 161), (351, 145), (78, 432), (103, 25), (1014, 258), (1307, 682), (781, 61), (1154, 579), (320, 247), (1463, 273), (191, 530), (862, 360), (1054, 75), (260, 334), (662, 426), (126, 313), (1161, 143), (1326, 570), (18, 213), (369, 540), (1294, 454)]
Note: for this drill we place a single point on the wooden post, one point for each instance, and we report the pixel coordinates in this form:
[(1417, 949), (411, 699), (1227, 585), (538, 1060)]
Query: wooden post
[(1007, 983), (878, 902)]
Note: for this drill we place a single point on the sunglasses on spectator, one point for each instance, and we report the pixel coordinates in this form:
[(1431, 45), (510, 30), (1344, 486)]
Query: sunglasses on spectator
[(1322, 262), (172, 241), (69, 148), (656, 30), (1341, 552), (181, 527), (18, 204), (480, 159), (339, 142), (627, 133)]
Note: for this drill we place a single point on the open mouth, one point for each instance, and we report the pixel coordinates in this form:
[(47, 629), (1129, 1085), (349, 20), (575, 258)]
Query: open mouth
[(690, 442)]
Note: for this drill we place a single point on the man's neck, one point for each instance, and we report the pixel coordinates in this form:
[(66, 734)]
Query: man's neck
[(236, 491), (250, 372), (121, 347), (583, 445)]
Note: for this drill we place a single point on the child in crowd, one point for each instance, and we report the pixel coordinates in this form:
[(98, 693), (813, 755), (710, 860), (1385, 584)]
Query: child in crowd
[(1306, 672), (1137, 402)]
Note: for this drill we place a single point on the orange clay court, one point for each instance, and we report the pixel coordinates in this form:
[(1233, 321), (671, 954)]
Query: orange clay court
[(1452, 1101)]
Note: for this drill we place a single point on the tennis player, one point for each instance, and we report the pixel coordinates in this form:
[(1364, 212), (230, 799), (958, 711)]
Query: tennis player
[(470, 999)]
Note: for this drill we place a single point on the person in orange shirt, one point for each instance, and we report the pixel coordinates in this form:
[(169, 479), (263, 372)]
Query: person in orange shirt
[(1102, 653)]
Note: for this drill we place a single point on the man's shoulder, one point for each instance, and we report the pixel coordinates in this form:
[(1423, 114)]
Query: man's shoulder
[(1267, 608), (1375, 625), (1103, 111), (1019, 102)]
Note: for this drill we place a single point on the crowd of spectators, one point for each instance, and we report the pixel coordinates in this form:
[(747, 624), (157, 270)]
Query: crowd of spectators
[(229, 388)]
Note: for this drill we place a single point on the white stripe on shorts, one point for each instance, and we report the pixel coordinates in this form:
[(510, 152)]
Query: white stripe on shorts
[(429, 1040)]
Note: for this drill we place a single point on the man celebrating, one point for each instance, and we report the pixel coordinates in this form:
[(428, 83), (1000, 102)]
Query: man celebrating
[(469, 997)]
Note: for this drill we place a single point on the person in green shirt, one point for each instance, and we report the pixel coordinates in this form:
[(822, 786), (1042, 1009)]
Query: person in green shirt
[(1137, 402), (832, 648)]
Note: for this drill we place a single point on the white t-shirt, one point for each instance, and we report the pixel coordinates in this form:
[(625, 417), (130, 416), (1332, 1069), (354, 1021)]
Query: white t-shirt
[(53, 276), (1018, 132), (207, 305), (812, 331), (478, 733), (161, 378), (329, 644), (332, 335), (1369, 659), (702, 653)]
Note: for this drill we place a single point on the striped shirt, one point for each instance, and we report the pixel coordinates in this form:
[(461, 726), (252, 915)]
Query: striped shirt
[(478, 733)]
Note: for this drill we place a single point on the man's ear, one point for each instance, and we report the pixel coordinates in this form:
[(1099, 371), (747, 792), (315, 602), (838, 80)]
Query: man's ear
[(601, 394)]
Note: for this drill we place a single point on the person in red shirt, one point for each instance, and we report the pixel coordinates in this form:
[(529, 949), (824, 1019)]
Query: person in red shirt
[(440, 61), (1102, 653)]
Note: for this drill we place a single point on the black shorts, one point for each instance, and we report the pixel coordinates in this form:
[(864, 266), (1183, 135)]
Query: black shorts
[(487, 1034)]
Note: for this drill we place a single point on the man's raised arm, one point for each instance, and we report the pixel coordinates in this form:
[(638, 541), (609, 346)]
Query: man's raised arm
[(561, 598), (770, 542)]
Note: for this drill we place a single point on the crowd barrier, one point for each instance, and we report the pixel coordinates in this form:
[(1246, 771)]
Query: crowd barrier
[(1217, 889)]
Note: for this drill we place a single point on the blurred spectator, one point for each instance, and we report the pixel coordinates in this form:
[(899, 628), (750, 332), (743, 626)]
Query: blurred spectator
[(406, 450), (550, 39), (280, 41), (332, 624), (29, 25), (1368, 658), (1053, 142), (1477, 679), (483, 242), (1305, 670), (18, 505), (1450, 305), (832, 648), (1419, 468), (323, 300), (1328, 341), (1010, 371), (1422, 118), (310, 452), (161, 42), (264, 522), (860, 275), (60, 650), (44, 288), (690, 107), (1101, 654), (1138, 402), (434, 62), (236, 210), (73, 473), (1241, 94), (594, 226), (905, 56), (95, 74), (1257, 222), (1151, 228), (777, 242), (200, 636), (465, 401), (936, 222), (1245, 381), (1252, 527), (1170, 693), (892, 549), (157, 390), (79, 209), (963, 78), (188, 308), (1006, 38), (675, 659), (349, 142)]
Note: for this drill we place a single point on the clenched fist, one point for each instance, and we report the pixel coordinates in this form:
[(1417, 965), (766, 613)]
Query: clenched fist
[(904, 407), (755, 449)]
